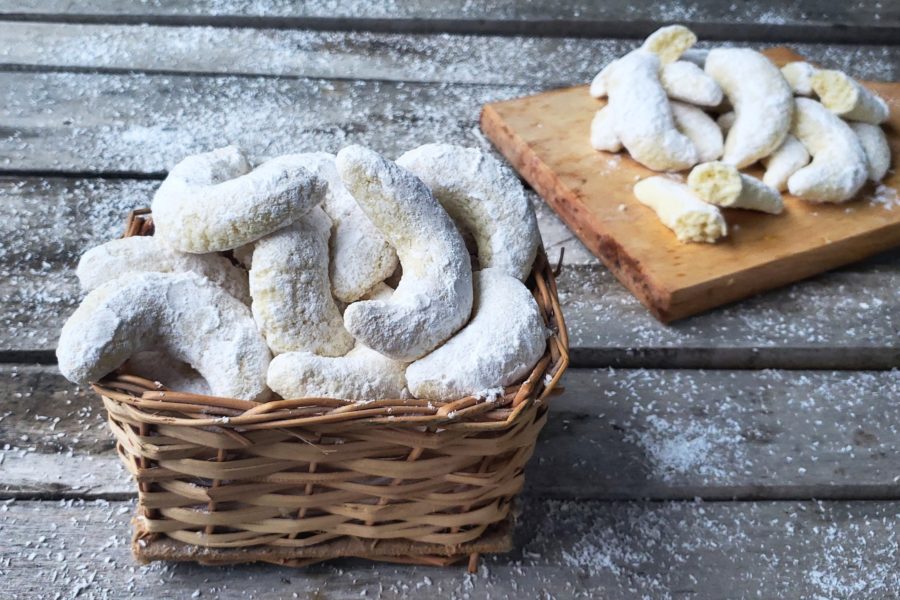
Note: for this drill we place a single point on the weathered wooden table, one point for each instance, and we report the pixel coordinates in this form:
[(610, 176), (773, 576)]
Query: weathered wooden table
[(750, 452)]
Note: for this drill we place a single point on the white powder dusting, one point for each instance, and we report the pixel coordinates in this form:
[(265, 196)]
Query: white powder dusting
[(498, 347), (434, 296), (677, 448), (484, 198), (885, 196)]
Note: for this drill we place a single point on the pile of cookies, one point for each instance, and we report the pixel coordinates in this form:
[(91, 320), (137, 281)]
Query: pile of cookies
[(313, 275), (816, 132)]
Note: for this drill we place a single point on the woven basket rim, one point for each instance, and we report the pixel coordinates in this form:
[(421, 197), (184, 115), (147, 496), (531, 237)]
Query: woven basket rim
[(150, 402)]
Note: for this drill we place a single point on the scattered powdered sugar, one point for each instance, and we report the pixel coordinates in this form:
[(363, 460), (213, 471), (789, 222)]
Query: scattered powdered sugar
[(885, 196), (691, 447), (46, 225)]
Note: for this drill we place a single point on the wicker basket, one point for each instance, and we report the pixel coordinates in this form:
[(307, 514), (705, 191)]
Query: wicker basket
[(294, 482)]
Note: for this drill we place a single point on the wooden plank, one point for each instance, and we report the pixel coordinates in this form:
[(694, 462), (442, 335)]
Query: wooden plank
[(549, 62), (543, 137), (77, 123), (846, 319), (88, 123), (614, 434), (563, 549), (767, 19)]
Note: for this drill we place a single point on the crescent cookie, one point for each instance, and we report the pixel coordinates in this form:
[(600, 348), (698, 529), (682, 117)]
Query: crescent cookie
[(603, 134), (847, 98), (434, 296), (876, 147), (292, 302), (669, 42), (723, 185), (839, 167), (498, 347), (642, 115), (141, 254), (362, 374), (687, 82), (484, 198), (212, 202), (182, 314), (360, 256), (160, 367), (700, 128), (790, 157), (679, 209), (762, 100)]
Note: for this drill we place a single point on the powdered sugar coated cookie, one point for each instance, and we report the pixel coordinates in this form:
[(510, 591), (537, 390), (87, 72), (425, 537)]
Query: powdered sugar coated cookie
[(642, 116), (434, 296), (182, 314), (762, 100), (360, 256), (292, 302), (484, 198), (838, 168), (213, 201), (498, 347), (138, 254)]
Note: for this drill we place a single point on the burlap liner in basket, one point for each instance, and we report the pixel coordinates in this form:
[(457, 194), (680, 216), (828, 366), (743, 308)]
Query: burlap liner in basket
[(297, 481)]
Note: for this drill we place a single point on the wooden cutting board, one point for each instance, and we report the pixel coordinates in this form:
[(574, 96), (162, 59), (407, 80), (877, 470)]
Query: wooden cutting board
[(545, 137)]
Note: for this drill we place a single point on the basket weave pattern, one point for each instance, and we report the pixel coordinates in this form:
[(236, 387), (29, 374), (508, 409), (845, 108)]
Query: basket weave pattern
[(296, 481)]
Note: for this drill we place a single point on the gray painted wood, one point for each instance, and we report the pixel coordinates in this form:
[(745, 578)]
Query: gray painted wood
[(564, 550), (767, 19), (353, 55), (613, 434), (101, 123), (845, 319)]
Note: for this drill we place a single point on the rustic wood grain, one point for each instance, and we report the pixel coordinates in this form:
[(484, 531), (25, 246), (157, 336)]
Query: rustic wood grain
[(613, 434), (564, 549), (549, 62), (845, 319), (762, 20), (72, 123), (543, 136)]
